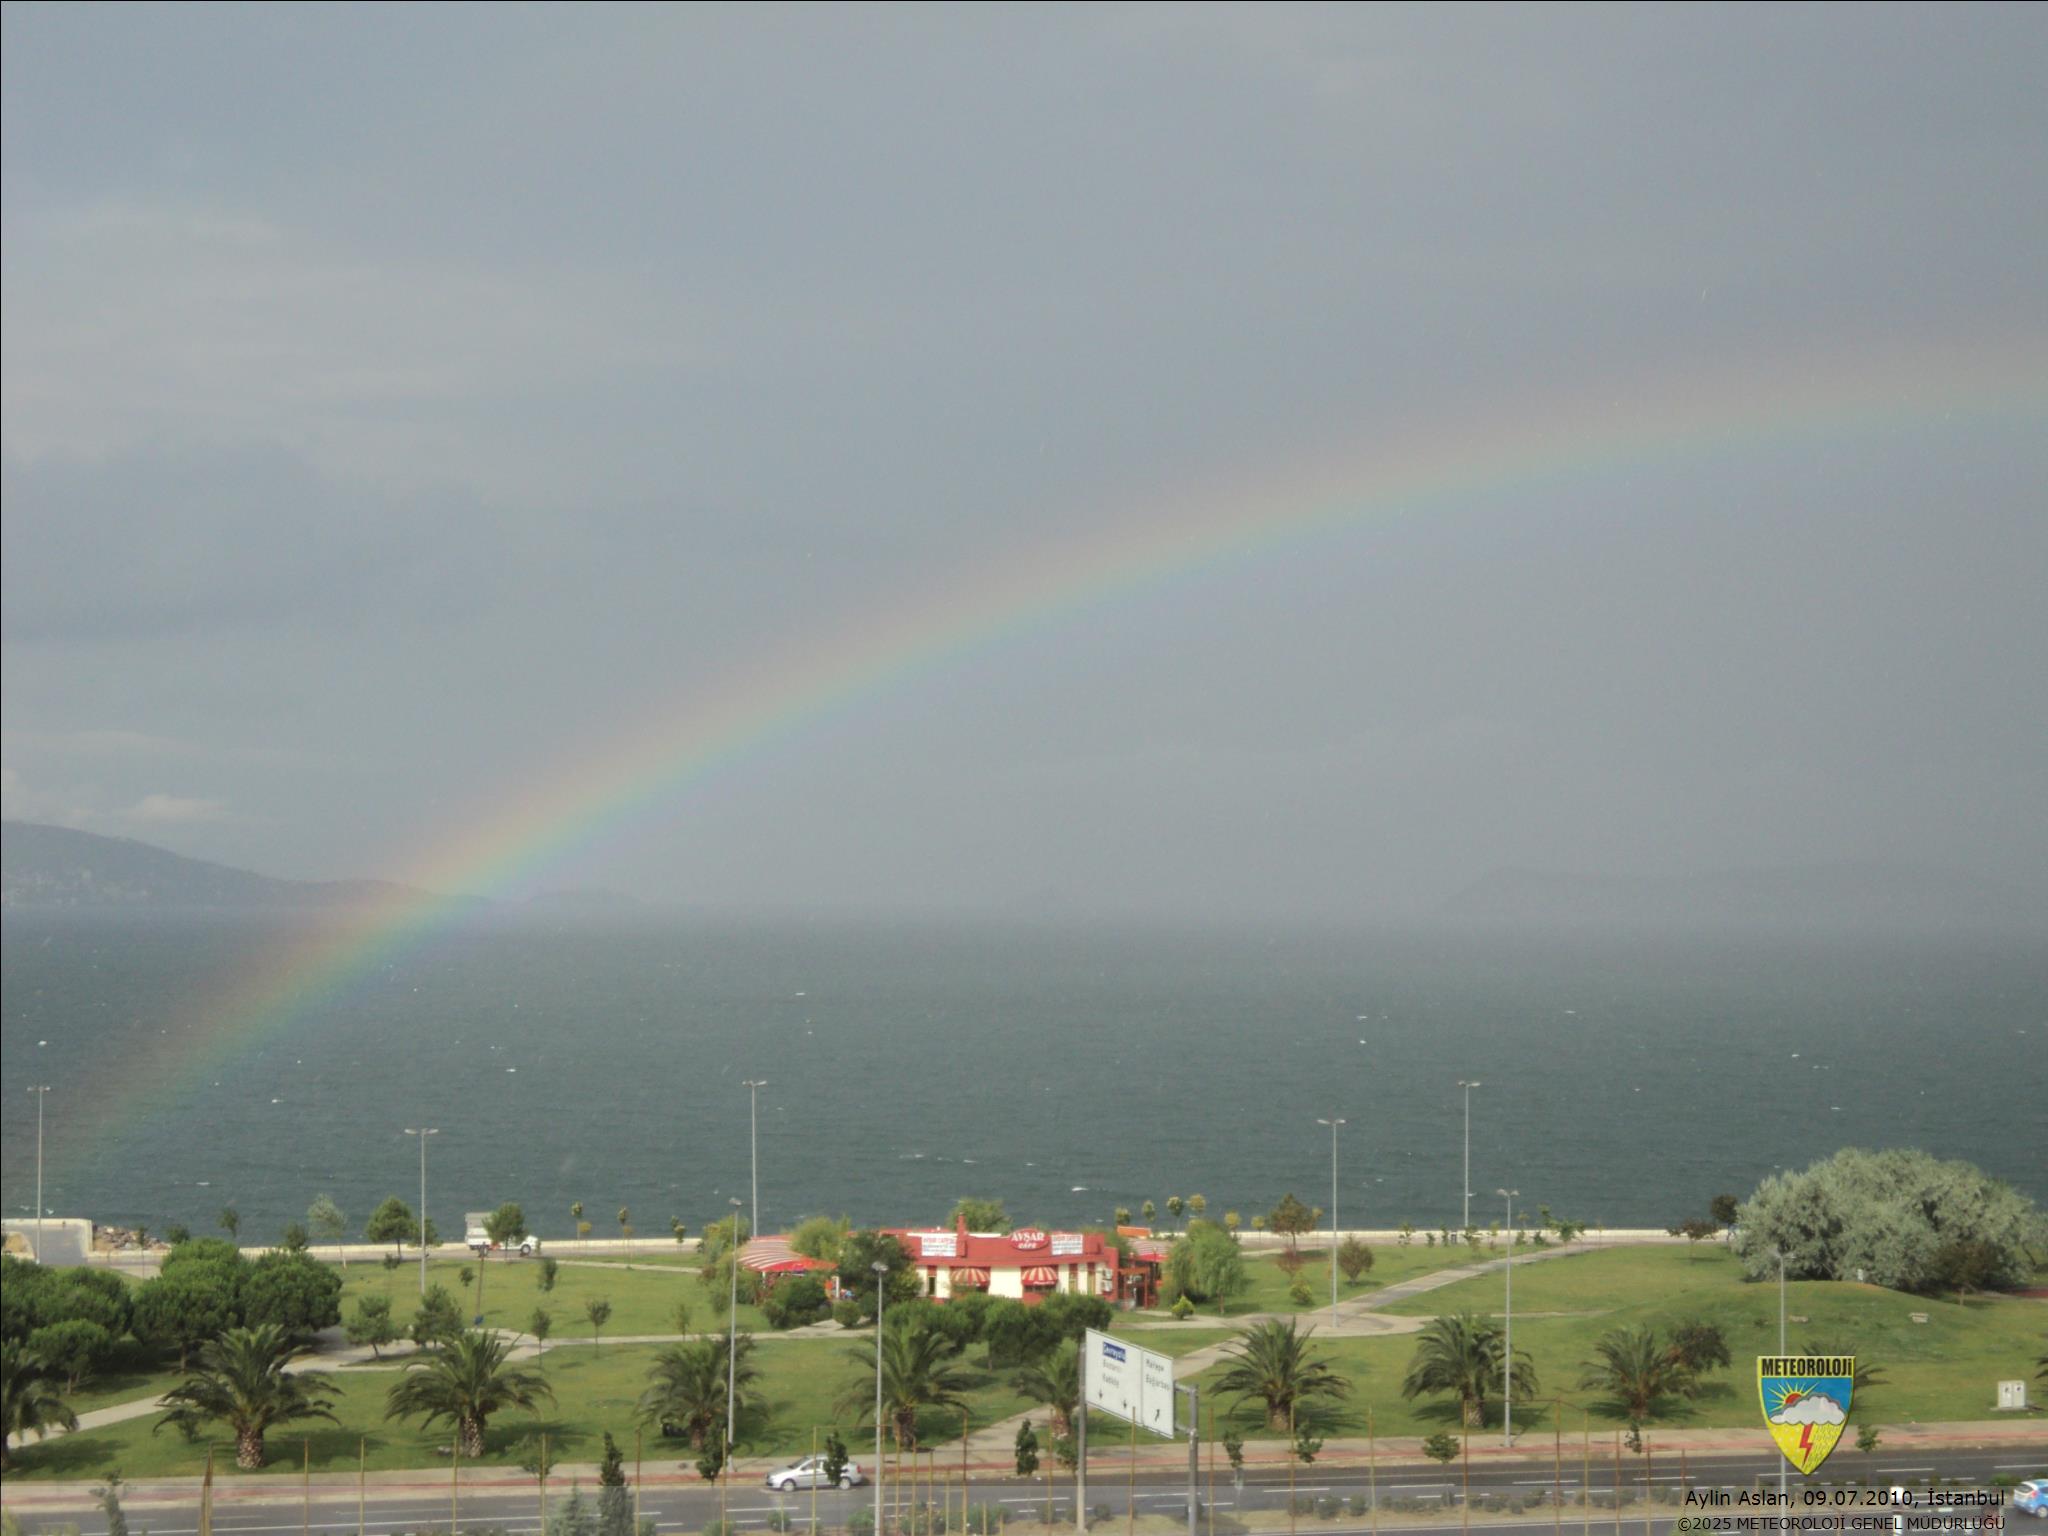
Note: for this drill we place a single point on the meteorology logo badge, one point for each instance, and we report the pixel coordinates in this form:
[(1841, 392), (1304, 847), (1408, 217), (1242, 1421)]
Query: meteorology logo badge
[(1806, 1403)]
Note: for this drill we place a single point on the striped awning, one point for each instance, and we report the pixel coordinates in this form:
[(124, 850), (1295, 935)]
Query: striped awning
[(774, 1256), (1041, 1274), (969, 1275)]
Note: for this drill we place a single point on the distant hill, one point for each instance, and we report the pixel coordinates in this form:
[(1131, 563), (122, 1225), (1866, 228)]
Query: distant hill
[(44, 867), (1898, 896)]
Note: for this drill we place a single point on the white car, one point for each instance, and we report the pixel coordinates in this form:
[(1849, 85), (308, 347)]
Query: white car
[(810, 1473)]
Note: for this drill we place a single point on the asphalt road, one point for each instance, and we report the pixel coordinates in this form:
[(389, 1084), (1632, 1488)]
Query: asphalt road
[(690, 1506)]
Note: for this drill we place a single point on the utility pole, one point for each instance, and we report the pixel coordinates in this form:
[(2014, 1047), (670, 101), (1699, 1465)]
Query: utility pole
[(39, 1091), (1333, 1123), (1507, 1354), (754, 1087), (423, 1134), (1465, 1225)]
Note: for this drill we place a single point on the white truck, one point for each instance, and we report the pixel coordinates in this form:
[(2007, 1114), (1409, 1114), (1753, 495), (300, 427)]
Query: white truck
[(478, 1237)]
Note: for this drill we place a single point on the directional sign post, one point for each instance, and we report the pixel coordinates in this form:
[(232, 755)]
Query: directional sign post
[(1135, 1385)]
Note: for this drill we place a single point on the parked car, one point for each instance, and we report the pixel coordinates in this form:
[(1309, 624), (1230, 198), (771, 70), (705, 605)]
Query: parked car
[(810, 1473), (2032, 1496)]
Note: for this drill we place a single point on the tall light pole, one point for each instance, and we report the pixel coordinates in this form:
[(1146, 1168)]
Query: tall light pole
[(732, 1332), (423, 1133), (1466, 1224), (881, 1295), (39, 1090), (1507, 1353), (754, 1087), (1779, 1255), (1333, 1124)]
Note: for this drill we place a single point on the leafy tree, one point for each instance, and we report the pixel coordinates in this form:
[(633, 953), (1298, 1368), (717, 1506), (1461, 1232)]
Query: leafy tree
[(1867, 1436), (108, 1497), (1198, 1207), (576, 1215), (391, 1263), (230, 1221), (711, 1462), (1069, 1314), (1150, 1212), (1175, 1205), (1289, 1261), (540, 1325), (1462, 1355), (438, 1319), (723, 1235), (686, 1388), (29, 1401), (599, 1310), (326, 1219), (680, 1315), (859, 1252), (1963, 1266), (1123, 1215), (1699, 1346), (506, 1225), (1640, 1373), (177, 1232), (295, 1239), (392, 1222), (1354, 1257), (183, 1308), (1056, 1382), (544, 1275), (1695, 1230), (1290, 1218), (1232, 1221), (1722, 1210), (1258, 1221), (1888, 1214), (625, 1223), (795, 1301), (835, 1458), (614, 1500), (465, 1382), (1026, 1450), (371, 1324), (465, 1277), (241, 1381), (575, 1518), (294, 1290), (980, 1215), (819, 1237), (536, 1456), (1300, 1294), (915, 1376), (1305, 1445), (1206, 1263), (1271, 1362), (72, 1348), (1441, 1447)]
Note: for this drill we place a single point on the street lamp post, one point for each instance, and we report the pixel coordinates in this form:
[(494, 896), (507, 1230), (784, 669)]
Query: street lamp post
[(732, 1332), (39, 1091), (1507, 1353), (754, 1087), (1333, 1124), (1465, 1225), (1779, 1255), (423, 1133), (881, 1296)]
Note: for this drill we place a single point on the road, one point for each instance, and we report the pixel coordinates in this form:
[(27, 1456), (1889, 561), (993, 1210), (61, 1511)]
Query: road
[(686, 1505)]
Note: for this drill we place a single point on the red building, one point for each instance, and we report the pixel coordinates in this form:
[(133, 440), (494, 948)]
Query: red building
[(1027, 1265)]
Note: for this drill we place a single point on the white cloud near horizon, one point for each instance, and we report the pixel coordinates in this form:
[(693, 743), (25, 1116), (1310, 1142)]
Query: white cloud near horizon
[(1814, 1408)]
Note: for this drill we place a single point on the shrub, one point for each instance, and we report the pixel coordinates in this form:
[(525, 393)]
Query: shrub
[(846, 1312), (1183, 1308)]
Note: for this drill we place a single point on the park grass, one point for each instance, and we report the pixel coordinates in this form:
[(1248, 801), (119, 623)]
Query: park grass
[(643, 1298), (1270, 1284), (1943, 1370), (801, 1381)]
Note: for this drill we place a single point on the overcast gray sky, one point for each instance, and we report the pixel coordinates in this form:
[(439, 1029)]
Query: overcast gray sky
[(405, 406)]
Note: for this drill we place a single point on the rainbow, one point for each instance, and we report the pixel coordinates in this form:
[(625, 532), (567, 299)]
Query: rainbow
[(1429, 467)]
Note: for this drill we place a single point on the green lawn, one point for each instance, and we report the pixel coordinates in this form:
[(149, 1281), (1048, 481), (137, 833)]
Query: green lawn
[(1391, 1264), (1943, 1369), (643, 1298)]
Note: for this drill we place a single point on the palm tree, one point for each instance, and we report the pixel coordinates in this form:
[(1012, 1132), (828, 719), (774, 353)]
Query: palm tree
[(915, 1376), (29, 1398), (240, 1380), (465, 1382), (1639, 1371), (1055, 1382), (687, 1387), (1271, 1362), (1461, 1354)]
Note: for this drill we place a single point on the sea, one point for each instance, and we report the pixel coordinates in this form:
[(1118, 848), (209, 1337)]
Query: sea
[(1623, 1078)]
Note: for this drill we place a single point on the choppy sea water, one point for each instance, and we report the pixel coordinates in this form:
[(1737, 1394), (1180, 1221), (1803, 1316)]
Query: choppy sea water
[(1625, 1079)]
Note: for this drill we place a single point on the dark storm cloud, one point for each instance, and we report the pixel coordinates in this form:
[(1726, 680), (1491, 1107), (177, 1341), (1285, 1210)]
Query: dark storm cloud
[(403, 405)]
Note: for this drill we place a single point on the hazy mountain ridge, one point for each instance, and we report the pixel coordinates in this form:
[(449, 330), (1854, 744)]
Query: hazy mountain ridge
[(1806, 895), (44, 866)]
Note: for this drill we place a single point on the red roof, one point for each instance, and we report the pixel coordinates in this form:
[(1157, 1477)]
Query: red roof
[(774, 1256)]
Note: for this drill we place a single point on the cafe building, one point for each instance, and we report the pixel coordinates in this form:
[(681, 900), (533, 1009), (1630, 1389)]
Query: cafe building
[(1027, 1265)]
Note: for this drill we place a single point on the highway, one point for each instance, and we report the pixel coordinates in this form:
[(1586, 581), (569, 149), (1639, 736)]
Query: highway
[(679, 1504)]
